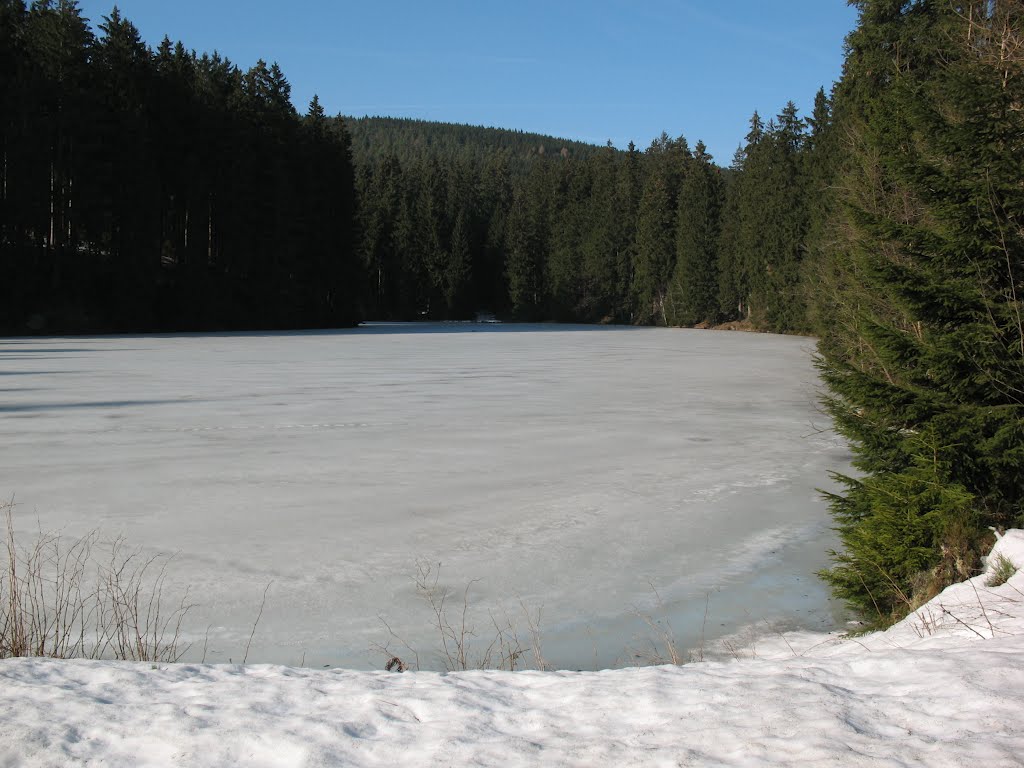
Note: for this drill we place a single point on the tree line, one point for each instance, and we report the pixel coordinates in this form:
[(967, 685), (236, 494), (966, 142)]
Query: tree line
[(146, 189), (159, 189)]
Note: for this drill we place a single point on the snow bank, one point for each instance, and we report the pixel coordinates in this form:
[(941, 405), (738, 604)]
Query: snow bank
[(945, 687)]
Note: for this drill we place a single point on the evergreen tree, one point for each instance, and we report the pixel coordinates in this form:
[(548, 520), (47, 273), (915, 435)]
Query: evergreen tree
[(693, 292), (458, 269), (565, 281), (777, 287), (527, 235), (821, 167), (732, 278), (607, 240), (924, 358), (57, 42), (495, 192), (742, 250), (628, 190), (15, 246), (381, 195), (655, 249), (765, 226)]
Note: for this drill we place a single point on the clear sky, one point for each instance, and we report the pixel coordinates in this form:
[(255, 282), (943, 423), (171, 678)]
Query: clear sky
[(593, 71)]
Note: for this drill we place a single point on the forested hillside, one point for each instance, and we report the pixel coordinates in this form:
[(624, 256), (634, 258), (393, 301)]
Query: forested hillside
[(660, 236), (374, 138)]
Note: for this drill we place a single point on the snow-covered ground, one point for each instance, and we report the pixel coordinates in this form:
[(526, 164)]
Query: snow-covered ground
[(944, 688), (576, 468)]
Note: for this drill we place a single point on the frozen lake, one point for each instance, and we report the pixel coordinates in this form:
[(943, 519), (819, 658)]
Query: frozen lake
[(571, 468)]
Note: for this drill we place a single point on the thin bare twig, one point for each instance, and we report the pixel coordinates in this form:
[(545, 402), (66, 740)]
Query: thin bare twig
[(256, 623)]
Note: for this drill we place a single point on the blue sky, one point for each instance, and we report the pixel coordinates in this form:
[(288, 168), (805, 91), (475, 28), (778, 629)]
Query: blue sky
[(592, 71)]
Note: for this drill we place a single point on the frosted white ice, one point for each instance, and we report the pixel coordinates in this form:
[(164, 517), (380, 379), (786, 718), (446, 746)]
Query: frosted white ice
[(945, 688), (570, 467)]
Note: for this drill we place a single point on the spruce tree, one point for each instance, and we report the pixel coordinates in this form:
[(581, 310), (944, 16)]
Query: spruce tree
[(745, 223), (564, 278), (527, 235), (821, 167), (654, 252), (604, 243), (732, 278), (924, 354), (692, 295)]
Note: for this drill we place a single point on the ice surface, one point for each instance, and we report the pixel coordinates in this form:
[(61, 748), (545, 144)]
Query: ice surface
[(571, 467)]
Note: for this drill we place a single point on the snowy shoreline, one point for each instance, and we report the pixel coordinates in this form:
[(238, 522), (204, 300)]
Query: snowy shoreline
[(943, 687)]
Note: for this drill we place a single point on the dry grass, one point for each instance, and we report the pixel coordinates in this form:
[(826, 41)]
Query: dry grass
[(1003, 570)]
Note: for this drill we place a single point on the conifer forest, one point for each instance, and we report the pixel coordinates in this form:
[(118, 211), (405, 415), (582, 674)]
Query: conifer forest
[(160, 189)]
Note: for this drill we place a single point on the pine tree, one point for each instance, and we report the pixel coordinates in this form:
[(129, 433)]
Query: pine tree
[(778, 289), (380, 201), (565, 281), (57, 44), (628, 189), (147, 190), (15, 270), (458, 269), (768, 239)]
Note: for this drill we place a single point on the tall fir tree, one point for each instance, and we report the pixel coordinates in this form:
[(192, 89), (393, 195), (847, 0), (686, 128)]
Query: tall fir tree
[(732, 278), (692, 296), (654, 253), (924, 352)]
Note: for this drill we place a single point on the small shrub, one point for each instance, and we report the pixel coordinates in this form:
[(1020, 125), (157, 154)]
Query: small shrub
[(67, 598), (1003, 570), (459, 647)]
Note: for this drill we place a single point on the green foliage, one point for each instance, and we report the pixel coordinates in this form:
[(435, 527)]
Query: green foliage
[(895, 527), (692, 295), (765, 233), (923, 283), (590, 234), (732, 267), (412, 141), (527, 234)]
